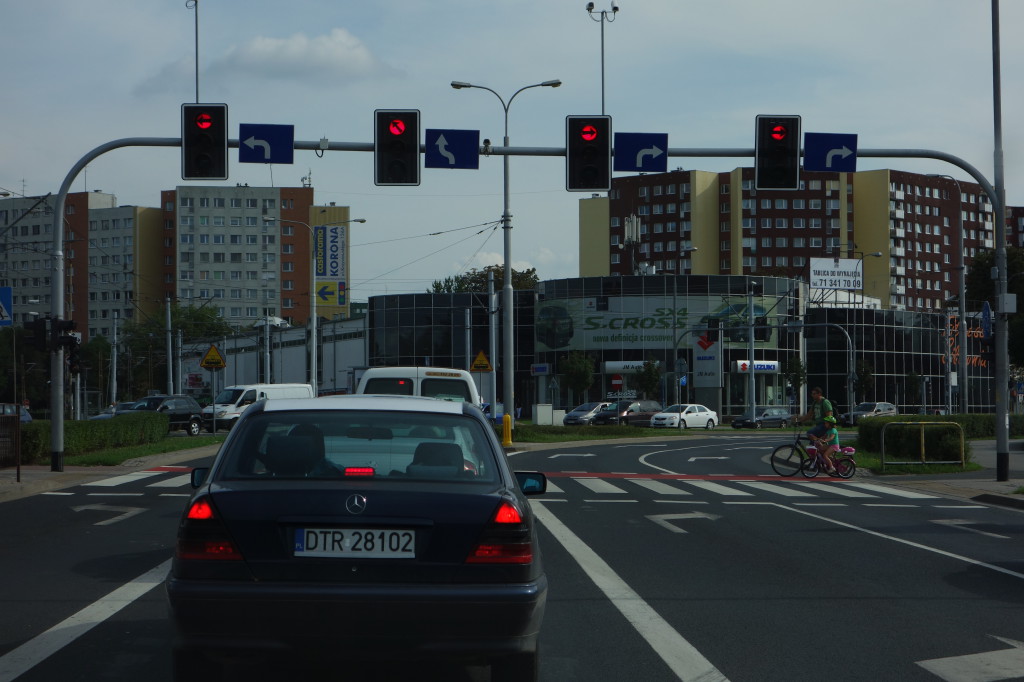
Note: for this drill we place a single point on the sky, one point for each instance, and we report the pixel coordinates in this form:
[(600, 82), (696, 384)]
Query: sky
[(913, 74)]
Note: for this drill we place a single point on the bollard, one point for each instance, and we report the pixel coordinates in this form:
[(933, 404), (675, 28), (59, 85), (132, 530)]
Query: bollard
[(506, 430)]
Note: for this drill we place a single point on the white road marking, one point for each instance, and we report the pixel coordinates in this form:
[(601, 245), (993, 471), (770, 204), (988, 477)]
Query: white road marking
[(989, 666), (597, 485), (898, 492), (125, 478), (552, 488), (832, 489), (173, 482), (964, 524), (785, 490), (658, 487), (36, 650), (713, 487), (681, 657)]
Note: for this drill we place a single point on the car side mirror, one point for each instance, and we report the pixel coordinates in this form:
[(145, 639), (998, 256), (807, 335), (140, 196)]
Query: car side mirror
[(198, 476), (530, 482)]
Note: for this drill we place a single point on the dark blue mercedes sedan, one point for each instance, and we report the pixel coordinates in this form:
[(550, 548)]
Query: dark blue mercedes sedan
[(355, 528)]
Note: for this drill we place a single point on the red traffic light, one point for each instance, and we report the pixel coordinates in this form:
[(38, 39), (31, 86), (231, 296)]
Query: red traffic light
[(588, 133), (779, 132), (396, 126), (204, 121)]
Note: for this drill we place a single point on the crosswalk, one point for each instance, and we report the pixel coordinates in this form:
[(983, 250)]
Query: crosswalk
[(596, 488), (175, 482)]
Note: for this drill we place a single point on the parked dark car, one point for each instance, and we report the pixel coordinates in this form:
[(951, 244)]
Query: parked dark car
[(635, 412), (583, 414), (364, 527), (183, 411), (868, 410), (779, 417)]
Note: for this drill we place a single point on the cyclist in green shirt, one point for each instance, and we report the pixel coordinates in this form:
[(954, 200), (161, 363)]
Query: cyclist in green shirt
[(820, 408)]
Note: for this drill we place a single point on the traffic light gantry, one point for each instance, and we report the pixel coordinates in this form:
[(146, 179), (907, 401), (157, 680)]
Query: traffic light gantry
[(777, 152), (204, 141), (396, 147), (588, 153)]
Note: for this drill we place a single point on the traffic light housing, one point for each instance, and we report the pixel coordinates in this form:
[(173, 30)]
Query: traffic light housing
[(588, 153), (762, 332), (59, 330), (714, 324), (396, 147), (40, 339), (204, 141), (777, 152)]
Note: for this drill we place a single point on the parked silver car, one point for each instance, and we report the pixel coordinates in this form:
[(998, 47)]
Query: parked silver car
[(868, 410), (583, 415)]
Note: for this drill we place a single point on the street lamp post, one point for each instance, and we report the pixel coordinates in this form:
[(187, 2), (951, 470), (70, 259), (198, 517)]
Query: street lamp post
[(613, 12), (508, 360), (313, 366)]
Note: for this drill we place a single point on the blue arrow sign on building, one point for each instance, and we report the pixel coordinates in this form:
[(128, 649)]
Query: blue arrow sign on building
[(452, 149), (641, 152), (836, 152), (266, 143)]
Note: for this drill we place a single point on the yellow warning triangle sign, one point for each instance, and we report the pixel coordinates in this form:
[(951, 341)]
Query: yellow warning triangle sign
[(213, 359), (481, 363)]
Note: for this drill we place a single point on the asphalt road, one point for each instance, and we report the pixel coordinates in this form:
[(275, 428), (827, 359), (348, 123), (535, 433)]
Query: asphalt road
[(675, 559)]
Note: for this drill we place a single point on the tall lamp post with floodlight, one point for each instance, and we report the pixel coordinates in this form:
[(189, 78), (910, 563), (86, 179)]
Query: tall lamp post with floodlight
[(313, 366), (508, 360), (609, 16)]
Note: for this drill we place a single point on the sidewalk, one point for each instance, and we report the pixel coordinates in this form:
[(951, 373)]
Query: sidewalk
[(37, 479)]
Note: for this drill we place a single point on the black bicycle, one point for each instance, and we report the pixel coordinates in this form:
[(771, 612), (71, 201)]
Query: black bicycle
[(800, 456)]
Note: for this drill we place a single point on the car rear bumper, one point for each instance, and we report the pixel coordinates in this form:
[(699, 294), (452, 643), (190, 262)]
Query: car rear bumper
[(416, 620)]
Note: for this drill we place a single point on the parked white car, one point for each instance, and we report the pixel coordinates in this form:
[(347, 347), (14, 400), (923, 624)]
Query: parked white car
[(685, 416)]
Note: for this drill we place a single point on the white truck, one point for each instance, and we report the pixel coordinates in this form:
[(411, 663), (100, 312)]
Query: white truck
[(433, 382), (231, 402)]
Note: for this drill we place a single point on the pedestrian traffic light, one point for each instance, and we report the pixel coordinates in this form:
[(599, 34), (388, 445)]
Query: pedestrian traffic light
[(204, 141), (74, 360), (777, 153), (588, 153), (396, 147), (40, 339)]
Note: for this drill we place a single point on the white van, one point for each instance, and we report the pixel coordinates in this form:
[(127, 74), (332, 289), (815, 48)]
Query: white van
[(433, 382), (232, 401)]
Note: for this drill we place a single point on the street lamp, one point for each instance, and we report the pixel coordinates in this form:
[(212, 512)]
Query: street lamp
[(313, 367), (961, 295), (506, 224), (613, 12)]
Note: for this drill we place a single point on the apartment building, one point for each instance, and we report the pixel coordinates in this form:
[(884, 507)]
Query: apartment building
[(702, 223)]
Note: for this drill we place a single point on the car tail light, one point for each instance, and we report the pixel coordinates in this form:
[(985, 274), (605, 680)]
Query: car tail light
[(359, 471), (506, 540), (203, 536)]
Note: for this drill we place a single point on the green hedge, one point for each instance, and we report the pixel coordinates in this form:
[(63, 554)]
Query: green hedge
[(942, 443), (81, 437)]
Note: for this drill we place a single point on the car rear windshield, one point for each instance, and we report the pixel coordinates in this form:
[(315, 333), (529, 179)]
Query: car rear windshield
[(318, 444)]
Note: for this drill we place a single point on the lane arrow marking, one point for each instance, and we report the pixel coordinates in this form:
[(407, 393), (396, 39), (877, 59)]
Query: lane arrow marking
[(664, 520), (963, 524), (568, 454), (442, 148), (653, 152), (694, 459), (126, 512), (842, 153), (252, 143), (1001, 664)]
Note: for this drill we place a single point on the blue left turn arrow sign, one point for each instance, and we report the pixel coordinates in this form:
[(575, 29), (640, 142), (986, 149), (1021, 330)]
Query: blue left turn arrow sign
[(266, 143)]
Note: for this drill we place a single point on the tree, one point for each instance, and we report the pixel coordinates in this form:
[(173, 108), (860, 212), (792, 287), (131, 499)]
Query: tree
[(578, 368), (476, 280), (648, 378), (865, 381), (981, 287), (795, 373)]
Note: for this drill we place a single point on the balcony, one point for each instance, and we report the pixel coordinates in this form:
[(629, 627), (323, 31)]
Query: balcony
[(897, 214)]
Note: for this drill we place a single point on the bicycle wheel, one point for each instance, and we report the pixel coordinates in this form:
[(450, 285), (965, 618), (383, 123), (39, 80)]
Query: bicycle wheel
[(845, 467), (786, 460), (811, 467)]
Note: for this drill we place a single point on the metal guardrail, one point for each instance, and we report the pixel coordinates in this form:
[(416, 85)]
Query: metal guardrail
[(962, 462)]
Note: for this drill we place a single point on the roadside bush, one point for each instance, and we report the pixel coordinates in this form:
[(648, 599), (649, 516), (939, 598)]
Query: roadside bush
[(82, 437), (903, 442)]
